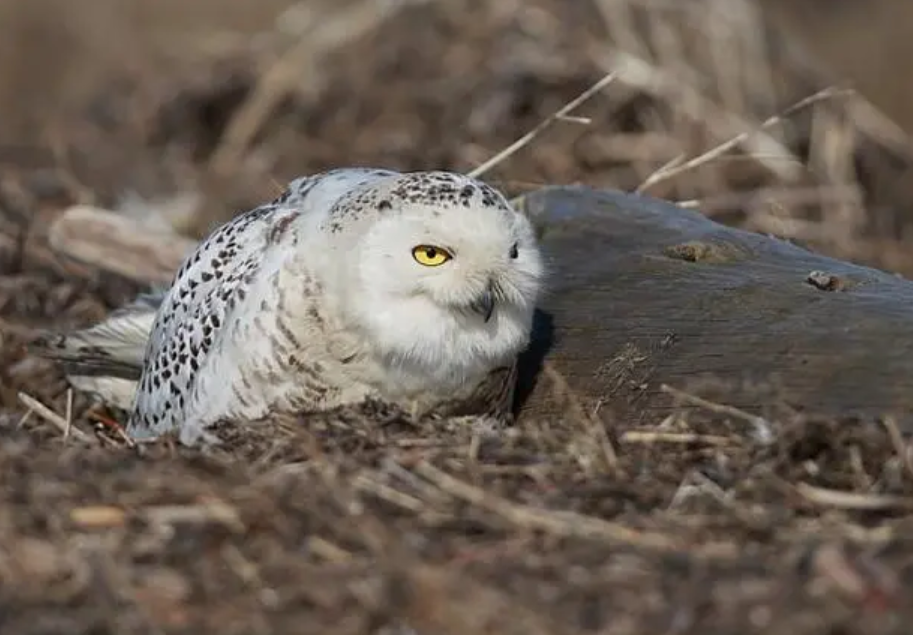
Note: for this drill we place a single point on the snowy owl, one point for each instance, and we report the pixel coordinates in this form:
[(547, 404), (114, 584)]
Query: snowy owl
[(415, 289)]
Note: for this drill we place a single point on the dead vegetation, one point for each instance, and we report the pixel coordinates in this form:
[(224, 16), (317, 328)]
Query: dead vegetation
[(711, 521)]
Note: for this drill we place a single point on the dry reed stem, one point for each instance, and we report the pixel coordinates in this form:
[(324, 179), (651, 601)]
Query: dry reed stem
[(98, 517), (69, 413), (852, 500), (653, 436), (721, 149), (389, 494), (209, 511), (832, 149), (558, 523), (761, 426), (645, 76), (526, 139), (55, 419), (876, 125), (327, 550)]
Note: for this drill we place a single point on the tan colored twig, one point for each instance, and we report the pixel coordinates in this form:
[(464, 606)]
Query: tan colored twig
[(69, 415), (761, 426), (241, 566), (98, 516), (875, 124), (558, 523), (833, 142), (54, 419), (389, 494), (721, 149), (645, 76), (210, 511), (327, 550), (852, 500), (525, 140), (24, 418), (652, 436)]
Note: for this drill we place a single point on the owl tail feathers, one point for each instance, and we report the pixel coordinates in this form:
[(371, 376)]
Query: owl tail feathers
[(106, 359)]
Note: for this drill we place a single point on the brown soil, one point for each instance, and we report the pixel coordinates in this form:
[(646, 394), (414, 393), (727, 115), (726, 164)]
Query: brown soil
[(359, 522)]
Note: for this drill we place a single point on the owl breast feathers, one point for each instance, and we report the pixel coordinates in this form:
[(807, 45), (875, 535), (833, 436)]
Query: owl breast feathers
[(413, 289)]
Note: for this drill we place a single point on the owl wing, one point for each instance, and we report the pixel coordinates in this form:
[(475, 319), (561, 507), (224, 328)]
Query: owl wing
[(213, 285), (106, 359)]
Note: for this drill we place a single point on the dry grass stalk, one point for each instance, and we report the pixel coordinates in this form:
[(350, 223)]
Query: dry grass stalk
[(558, 523), (328, 550), (390, 494), (852, 500), (64, 425), (209, 511), (760, 425), (664, 174), (876, 125), (687, 438), (560, 115), (69, 413), (98, 517), (831, 157), (645, 76)]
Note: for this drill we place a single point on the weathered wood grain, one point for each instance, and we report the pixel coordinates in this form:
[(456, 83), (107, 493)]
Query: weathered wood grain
[(117, 243), (643, 292)]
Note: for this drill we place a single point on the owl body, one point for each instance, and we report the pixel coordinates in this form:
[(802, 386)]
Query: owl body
[(413, 289)]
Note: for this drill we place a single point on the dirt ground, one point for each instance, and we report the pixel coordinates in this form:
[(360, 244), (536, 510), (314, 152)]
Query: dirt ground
[(360, 522)]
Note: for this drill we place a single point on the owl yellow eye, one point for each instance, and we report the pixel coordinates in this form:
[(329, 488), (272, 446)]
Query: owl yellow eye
[(430, 256)]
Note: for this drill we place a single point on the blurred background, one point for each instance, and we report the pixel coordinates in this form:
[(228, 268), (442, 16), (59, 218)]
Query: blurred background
[(137, 104)]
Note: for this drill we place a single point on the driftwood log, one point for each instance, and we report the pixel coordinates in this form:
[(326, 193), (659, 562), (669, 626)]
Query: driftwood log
[(644, 293), (119, 244)]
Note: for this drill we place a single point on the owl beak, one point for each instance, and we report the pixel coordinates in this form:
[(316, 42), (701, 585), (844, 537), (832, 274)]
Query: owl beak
[(484, 305)]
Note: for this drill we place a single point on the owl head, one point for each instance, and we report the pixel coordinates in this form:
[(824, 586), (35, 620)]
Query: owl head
[(446, 273)]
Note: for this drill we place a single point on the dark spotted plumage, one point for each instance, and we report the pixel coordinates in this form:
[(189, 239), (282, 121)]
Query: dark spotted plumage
[(204, 295)]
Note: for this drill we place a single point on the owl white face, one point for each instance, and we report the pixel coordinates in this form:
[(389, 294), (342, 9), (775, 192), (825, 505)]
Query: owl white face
[(449, 289)]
